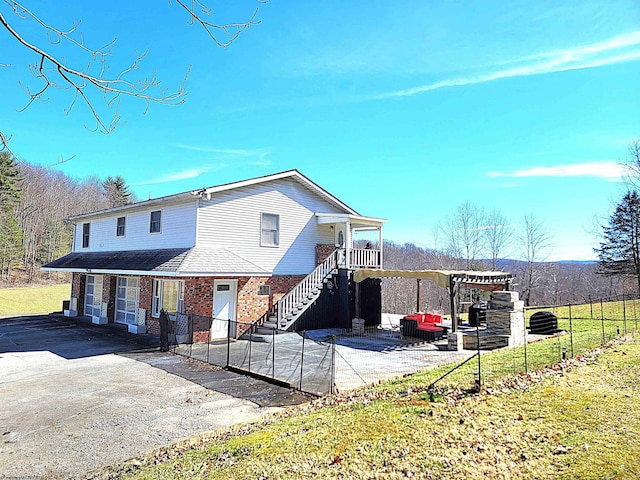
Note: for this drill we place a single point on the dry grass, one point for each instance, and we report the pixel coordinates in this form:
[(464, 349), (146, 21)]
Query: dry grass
[(577, 421)]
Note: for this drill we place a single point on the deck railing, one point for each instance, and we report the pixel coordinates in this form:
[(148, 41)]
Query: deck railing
[(365, 258)]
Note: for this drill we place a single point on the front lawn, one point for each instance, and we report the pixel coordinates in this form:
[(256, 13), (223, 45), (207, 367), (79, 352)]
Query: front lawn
[(32, 300)]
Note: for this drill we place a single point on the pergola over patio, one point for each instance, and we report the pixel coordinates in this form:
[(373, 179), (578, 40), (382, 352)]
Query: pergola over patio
[(450, 279)]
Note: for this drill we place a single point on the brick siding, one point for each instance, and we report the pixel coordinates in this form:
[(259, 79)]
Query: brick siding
[(198, 298), (323, 251)]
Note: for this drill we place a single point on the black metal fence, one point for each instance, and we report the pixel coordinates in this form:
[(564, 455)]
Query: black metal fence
[(330, 360), (580, 328), (290, 358)]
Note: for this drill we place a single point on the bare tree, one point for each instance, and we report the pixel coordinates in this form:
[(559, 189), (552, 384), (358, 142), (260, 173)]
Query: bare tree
[(463, 233), (89, 76), (535, 241), (632, 164), (498, 234)]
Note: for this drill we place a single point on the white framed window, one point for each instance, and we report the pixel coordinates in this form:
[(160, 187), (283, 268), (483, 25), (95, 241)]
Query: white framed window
[(121, 223), (127, 296), (155, 221), (270, 230), (86, 229), (168, 295)]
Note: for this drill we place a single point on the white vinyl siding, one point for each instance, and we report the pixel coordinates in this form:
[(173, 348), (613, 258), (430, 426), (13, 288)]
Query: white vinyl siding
[(93, 295), (127, 295), (178, 229), (233, 220)]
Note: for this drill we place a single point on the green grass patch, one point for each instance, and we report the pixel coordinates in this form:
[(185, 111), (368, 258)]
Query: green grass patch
[(32, 300), (628, 310), (579, 422)]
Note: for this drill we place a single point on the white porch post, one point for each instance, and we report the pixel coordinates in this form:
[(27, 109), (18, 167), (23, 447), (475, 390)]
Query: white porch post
[(347, 244), (380, 240)]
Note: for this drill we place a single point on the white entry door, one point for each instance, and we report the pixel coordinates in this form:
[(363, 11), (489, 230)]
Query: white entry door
[(224, 308)]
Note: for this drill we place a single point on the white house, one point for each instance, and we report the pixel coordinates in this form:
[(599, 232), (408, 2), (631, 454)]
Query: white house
[(243, 251)]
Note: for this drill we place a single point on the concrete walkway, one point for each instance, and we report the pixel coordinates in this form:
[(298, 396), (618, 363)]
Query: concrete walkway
[(75, 397)]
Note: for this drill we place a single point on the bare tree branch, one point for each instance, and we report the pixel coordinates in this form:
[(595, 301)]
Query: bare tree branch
[(53, 71), (231, 30)]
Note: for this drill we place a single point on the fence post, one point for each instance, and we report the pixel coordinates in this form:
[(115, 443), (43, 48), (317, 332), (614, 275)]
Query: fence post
[(479, 380), (624, 313), (635, 316), (304, 334), (591, 306), (333, 363), (602, 315), (526, 368), (571, 331), (228, 340), (250, 342), (273, 353)]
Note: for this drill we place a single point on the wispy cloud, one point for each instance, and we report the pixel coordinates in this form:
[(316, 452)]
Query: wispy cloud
[(622, 48), (607, 170), (255, 156), (219, 159), (175, 176)]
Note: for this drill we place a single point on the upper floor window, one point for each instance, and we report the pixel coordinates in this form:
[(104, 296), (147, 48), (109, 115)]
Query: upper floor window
[(120, 227), (85, 235), (154, 226), (270, 229)]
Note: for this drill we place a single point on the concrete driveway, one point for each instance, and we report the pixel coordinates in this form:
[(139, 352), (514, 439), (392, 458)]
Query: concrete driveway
[(75, 397)]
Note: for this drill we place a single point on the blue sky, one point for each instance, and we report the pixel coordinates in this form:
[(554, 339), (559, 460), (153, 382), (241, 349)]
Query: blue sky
[(401, 109)]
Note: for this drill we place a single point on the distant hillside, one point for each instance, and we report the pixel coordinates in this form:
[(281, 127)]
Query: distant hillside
[(554, 282)]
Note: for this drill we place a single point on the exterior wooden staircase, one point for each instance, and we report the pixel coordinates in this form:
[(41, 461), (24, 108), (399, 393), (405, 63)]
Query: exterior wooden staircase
[(292, 305)]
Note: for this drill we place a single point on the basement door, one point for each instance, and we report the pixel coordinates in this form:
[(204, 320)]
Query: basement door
[(224, 308)]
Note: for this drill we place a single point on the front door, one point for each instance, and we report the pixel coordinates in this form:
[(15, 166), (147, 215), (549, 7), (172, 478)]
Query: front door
[(224, 308)]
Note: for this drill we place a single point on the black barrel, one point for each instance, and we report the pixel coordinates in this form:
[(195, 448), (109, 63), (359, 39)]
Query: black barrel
[(544, 323)]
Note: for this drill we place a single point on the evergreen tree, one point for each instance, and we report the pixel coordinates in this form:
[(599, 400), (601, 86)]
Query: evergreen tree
[(116, 191), (10, 193), (9, 181), (619, 252)]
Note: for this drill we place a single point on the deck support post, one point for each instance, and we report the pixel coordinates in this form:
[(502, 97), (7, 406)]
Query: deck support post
[(452, 300), (357, 300)]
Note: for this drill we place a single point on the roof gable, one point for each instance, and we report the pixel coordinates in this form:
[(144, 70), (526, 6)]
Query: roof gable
[(289, 174), (208, 192)]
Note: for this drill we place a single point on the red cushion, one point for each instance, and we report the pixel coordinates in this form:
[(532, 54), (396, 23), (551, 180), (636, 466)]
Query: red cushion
[(427, 327)]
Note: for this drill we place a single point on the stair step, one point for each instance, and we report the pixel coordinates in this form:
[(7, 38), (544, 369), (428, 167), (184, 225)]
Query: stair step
[(264, 330)]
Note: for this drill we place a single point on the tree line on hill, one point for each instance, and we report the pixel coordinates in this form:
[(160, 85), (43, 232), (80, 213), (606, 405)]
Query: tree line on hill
[(35, 202), (556, 283)]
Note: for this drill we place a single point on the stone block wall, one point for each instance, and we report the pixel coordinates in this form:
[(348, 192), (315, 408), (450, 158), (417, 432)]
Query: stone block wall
[(505, 316)]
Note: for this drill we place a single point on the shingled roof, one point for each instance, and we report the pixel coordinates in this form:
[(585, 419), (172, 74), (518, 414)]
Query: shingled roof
[(172, 262)]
